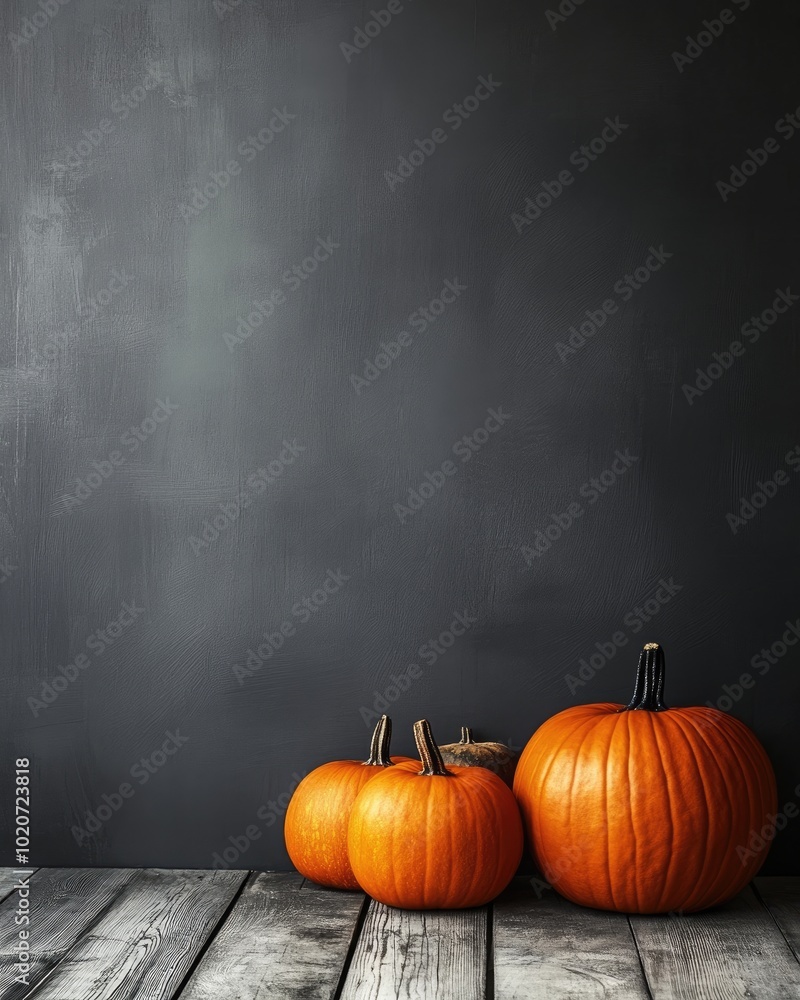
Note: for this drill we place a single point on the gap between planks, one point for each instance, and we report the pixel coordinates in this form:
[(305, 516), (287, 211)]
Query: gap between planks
[(416, 954), (112, 933), (123, 934), (279, 942), (9, 877)]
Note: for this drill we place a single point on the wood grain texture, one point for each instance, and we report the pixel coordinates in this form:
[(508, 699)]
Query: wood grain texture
[(187, 935), (781, 896), (546, 948), (64, 904), (734, 952), (8, 880), (145, 940), (278, 943), (409, 955)]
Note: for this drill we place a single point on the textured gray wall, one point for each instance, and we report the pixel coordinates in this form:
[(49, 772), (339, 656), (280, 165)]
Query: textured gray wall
[(145, 554)]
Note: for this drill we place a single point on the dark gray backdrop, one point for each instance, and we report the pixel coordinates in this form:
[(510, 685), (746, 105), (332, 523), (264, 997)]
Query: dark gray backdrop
[(117, 296)]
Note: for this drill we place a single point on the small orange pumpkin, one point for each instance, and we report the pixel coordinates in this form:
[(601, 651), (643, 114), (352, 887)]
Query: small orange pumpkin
[(439, 838), (643, 808), (315, 828), (496, 757)]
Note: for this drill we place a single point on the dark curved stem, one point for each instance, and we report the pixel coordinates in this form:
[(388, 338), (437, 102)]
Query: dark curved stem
[(429, 754), (466, 735), (381, 740), (648, 694)]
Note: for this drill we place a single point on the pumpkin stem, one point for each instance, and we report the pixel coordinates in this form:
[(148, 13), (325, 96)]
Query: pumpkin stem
[(466, 735), (379, 747), (429, 754), (648, 694)]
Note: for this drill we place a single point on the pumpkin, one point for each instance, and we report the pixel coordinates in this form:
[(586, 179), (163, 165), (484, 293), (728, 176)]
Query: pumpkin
[(315, 829), (495, 757), (439, 838), (643, 808)]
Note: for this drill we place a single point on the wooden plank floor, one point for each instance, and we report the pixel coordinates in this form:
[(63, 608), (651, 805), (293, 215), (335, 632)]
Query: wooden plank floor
[(113, 934)]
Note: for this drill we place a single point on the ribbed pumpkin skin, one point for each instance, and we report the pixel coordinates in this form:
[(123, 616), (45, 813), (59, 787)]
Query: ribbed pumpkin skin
[(495, 757), (425, 842), (642, 811), (315, 829)]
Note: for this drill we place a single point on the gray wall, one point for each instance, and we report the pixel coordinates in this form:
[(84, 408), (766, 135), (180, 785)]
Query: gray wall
[(117, 296)]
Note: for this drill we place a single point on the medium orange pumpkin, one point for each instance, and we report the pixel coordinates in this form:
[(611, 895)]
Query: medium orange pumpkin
[(496, 757), (439, 838), (643, 808), (315, 829)]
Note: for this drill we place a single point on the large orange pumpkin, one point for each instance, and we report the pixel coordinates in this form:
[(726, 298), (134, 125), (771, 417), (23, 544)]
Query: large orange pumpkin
[(643, 808), (439, 838), (315, 829)]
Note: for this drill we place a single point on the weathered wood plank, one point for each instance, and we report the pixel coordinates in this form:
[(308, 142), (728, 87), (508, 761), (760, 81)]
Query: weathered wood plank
[(545, 946), (782, 897), (144, 943), (8, 879), (278, 942), (731, 952), (430, 955), (63, 902)]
